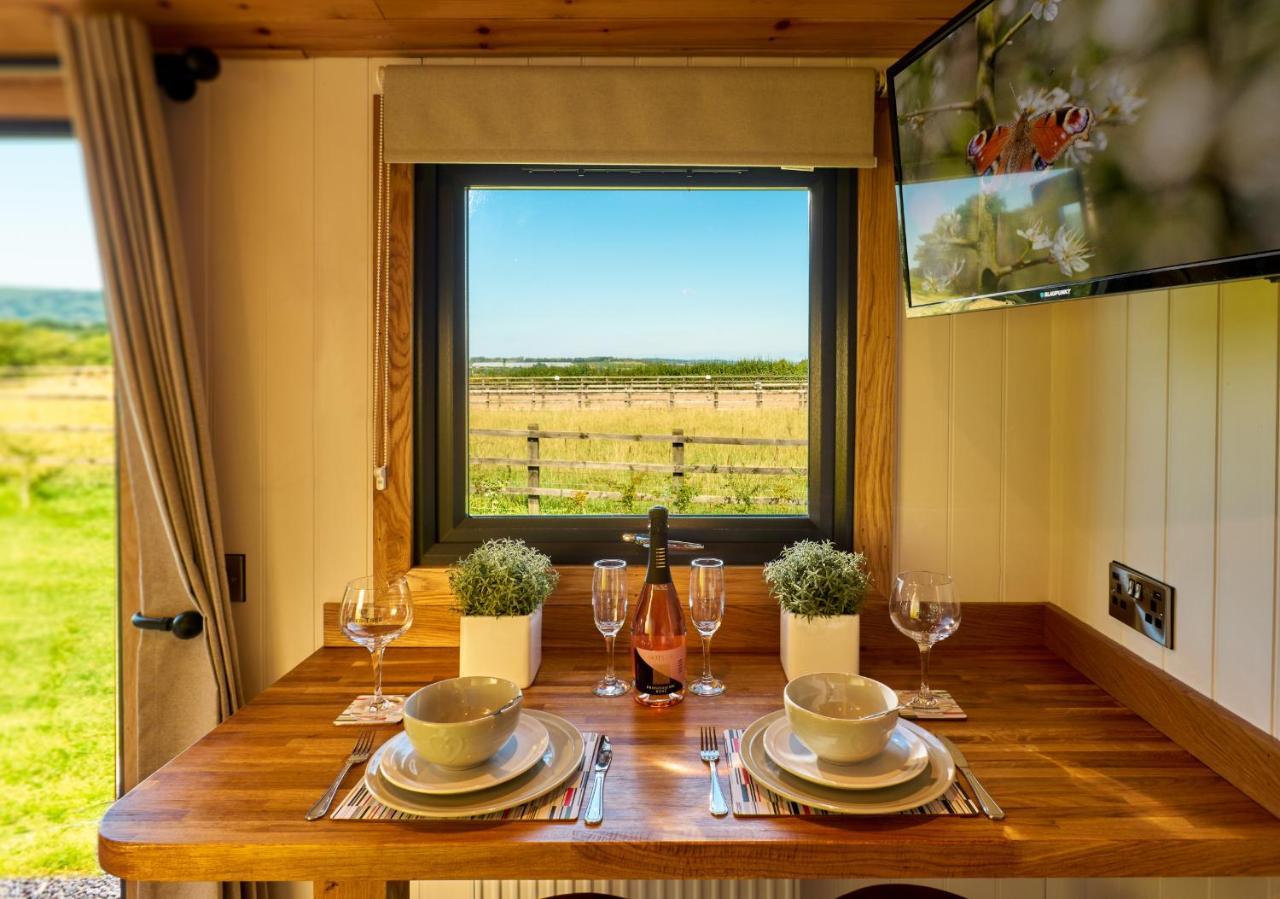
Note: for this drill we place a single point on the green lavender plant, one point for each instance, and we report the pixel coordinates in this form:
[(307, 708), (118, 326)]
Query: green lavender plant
[(502, 577), (813, 579)]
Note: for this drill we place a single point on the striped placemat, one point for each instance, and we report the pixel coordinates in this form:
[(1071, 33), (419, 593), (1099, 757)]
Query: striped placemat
[(948, 709), (561, 804), (749, 799)]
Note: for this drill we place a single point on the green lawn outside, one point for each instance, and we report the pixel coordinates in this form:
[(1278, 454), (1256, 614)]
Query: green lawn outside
[(57, 671)]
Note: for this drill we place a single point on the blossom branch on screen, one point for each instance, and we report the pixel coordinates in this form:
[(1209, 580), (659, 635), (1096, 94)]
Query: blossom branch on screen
[(916, 117)]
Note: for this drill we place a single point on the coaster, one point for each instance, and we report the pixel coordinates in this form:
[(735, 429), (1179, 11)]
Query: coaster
[(948, 709), (353, 715), (561, 804), (752, 800)]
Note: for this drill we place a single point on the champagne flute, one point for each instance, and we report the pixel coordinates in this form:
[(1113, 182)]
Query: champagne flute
[(925, 608), (706, 608), (376, 611), (609, 604)]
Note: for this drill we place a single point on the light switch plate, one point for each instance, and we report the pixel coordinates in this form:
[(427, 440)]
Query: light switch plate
[(1142, 602)]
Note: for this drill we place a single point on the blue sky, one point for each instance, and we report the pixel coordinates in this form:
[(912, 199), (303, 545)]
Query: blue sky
[(46, 228), (705, 274)]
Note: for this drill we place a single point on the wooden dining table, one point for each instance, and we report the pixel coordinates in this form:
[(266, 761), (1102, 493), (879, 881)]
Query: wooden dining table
[(1089, 789)]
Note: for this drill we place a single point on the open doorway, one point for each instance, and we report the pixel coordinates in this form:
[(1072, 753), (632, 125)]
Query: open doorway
[(58, 708)]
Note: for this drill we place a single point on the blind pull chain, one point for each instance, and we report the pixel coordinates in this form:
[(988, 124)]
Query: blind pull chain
[(382, 316)]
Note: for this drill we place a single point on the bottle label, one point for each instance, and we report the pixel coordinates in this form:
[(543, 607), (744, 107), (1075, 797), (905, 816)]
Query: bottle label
[(660, 672)]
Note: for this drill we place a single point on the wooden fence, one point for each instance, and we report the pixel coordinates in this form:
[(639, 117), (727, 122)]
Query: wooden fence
[(534, 463), (546, 391), (59, 384)]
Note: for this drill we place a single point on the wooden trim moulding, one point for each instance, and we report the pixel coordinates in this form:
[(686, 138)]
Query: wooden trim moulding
[(1244, 755), (873, 390), (33, 95)]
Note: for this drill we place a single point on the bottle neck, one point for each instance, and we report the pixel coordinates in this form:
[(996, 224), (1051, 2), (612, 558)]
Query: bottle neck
[(659, 571)]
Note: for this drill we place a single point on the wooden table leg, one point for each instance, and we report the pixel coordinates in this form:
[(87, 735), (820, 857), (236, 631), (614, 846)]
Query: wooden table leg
[(361, 889)]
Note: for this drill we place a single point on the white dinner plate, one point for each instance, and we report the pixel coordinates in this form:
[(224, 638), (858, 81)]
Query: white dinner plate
[(404, 768), (903, 758), (562, 760), (926, 786)]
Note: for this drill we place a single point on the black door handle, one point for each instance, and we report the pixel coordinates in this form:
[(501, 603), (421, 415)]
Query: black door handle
[(184, 625)]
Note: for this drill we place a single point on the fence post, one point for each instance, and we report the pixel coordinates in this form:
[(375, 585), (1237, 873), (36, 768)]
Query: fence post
[(677, 458), (535, 502), (759, 395)]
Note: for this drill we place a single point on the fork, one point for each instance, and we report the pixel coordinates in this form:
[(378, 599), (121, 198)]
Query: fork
[(359, 755), (710, 753)]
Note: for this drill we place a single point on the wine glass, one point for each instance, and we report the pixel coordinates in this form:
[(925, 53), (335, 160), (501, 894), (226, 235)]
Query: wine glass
[(706, 608), (925, 608), (374, 612), (609, 604)]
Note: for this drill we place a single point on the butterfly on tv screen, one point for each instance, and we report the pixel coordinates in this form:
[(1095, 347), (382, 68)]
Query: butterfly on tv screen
[(1032, 143)]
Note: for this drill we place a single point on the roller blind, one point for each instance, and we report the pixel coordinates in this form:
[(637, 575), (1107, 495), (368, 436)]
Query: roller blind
[(533, 115)]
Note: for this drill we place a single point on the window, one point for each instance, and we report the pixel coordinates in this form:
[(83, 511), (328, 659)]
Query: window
[(592, 342)]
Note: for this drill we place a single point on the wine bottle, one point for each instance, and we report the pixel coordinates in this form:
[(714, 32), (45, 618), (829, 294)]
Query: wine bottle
[(657, 631)]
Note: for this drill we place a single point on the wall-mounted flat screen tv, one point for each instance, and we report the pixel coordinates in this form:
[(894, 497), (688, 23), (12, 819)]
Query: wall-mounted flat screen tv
[(1052, 149)]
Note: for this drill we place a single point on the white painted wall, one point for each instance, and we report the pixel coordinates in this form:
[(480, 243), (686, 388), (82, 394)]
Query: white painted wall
[(1036, 444)]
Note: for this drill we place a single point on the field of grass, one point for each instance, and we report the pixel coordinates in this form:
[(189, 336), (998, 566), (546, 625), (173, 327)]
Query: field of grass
[(57, 672), (57, 614), (740, 421)]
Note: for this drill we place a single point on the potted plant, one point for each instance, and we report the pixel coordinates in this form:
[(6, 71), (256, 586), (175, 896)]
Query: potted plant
[(820, 590), (499, 589)]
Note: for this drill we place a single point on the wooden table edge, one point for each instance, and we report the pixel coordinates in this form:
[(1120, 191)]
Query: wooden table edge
[(959, 857)]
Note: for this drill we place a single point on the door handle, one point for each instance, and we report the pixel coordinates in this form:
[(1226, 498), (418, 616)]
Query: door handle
[(184, 625)]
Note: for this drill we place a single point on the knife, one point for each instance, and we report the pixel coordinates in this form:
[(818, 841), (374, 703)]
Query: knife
[(604, 756), (989, 806)]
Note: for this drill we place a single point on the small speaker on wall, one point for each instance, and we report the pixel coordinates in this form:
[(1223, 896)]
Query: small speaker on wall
[(178, 73)]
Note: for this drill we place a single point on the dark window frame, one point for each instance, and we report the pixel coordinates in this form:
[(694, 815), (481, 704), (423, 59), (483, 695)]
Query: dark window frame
[(442, 529)]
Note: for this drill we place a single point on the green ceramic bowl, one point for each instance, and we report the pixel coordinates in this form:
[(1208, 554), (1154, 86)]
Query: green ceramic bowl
[(461, 722), (843, 718)]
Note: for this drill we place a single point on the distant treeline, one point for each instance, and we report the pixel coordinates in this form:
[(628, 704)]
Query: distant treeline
[(642, 368), (53, 343), (70, 307)]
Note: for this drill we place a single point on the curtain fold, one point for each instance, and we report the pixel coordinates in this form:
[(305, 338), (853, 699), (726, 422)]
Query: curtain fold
[(117, 117)]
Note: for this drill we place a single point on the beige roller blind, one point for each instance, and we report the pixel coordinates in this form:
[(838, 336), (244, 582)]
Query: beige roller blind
[(532, 115)]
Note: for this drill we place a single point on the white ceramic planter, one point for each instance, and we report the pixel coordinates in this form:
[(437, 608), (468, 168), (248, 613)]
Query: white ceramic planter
[(819, 645), (509, 646)]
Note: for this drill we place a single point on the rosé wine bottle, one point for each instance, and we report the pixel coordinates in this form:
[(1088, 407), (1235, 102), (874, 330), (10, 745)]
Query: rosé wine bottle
[(657, 631)]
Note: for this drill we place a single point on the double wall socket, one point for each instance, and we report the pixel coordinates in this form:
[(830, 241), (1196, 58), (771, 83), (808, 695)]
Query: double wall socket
[(1142, 602)]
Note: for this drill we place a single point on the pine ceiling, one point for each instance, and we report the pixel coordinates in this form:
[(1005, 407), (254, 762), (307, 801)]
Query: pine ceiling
[(874, 29)]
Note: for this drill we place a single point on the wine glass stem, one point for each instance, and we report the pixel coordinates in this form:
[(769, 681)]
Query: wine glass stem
[(608, 649), (377, 652), (706, 658), (924, 670)]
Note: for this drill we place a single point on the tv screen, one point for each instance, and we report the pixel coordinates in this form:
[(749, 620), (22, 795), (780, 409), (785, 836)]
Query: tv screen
[(1049, 149)]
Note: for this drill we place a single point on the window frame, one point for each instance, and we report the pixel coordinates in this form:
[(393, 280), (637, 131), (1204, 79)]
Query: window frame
[(442, 529)]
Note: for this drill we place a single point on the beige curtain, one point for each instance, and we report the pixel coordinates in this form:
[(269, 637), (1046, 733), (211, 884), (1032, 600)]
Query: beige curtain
[(165, 435)]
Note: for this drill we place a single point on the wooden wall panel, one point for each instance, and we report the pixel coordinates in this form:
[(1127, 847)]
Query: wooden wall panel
[(973, 450), (1145, 443), (1025, 456), (287, 281), (342, 416), (1244, 618), (924, 445), (1198, 365), (879, 305), (1191, 473), (238, 232), (975, 457)]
